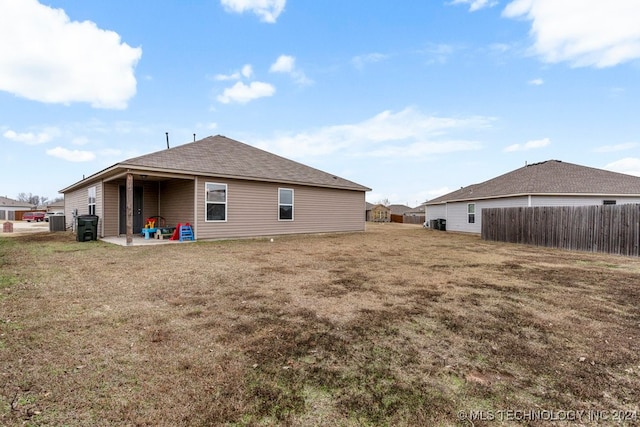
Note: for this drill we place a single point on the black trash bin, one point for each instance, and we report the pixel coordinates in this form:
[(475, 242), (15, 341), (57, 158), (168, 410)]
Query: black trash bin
[(442, 224), (86, 228)]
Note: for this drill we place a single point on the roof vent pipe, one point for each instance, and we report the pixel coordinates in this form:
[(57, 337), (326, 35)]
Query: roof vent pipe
[(167, 133), (194, 137)]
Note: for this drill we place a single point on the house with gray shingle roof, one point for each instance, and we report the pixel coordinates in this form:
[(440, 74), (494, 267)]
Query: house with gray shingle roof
[(223, 188), (9, 207), (398, 209), (548, 183)]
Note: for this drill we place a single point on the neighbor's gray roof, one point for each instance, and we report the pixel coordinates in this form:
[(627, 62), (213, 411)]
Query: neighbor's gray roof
[(549, 177), (223, 157), (5, 201), (417, 209), (399, 209)]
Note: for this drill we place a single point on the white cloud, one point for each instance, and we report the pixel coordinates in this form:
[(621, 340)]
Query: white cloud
[(247, 71), (475, 5), (284, 64), (407, 133), (71, 155), (529, 145), (628, 165), (224, 77), (287, 64), (361, 60), (31, 138), (536, 82), (584, 33), (242, 93), (616, 147), (267, 10), (46, 57)]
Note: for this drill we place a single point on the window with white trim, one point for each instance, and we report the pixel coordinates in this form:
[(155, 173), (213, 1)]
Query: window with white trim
[(215, 201), (471, 213), (285, 204), (91, 203)]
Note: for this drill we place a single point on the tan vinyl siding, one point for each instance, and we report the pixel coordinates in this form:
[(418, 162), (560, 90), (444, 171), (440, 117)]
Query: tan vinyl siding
[(111, 215), (79, 199), (252, 210), (150, 199), (74, 200), (176, 202)]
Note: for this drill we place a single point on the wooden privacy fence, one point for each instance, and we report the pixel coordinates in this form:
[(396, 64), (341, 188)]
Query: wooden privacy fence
[(611, 229), (413, 219), (397, 218), (407, 219)]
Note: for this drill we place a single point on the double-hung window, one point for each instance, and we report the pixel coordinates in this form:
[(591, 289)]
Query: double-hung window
[(91, 200), (471, 213), (285, 204), (216, 201)]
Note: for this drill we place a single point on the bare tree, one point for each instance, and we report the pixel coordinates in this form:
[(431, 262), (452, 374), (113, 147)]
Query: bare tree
[(32, 199)]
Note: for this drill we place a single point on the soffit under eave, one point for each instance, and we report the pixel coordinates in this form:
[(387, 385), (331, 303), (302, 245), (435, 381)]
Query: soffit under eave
[(511, 196)]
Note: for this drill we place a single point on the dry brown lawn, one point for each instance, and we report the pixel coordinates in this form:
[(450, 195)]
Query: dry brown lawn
[(397, 326)]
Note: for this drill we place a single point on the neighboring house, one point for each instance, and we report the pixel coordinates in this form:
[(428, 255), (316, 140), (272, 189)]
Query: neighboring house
[(399, 209), (416, 212), (549, 183), (9, 207), (221, 187), (414, 216), (379, 213), (55, 206), (367, 212), (399, 214)]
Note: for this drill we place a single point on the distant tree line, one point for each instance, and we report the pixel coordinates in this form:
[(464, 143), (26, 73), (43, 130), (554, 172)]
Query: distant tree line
[(36, 200)]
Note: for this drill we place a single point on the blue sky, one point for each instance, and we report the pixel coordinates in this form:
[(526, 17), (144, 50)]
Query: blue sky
[(411, 98)]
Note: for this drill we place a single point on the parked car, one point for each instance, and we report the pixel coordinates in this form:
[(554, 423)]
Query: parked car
[(50, 214), (33, 216)]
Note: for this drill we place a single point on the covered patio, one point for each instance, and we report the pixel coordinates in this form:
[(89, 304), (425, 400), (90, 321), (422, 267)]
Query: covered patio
[(138, 240)]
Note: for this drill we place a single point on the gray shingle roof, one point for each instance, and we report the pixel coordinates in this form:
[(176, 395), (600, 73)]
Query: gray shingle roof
[(399, 209), (549, 177), (225, 157), (5, 201)]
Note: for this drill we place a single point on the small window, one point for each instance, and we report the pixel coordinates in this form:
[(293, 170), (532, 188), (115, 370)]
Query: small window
[(285, 204), (608, 202), (471, 213), (92, 200), (216, 201)]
